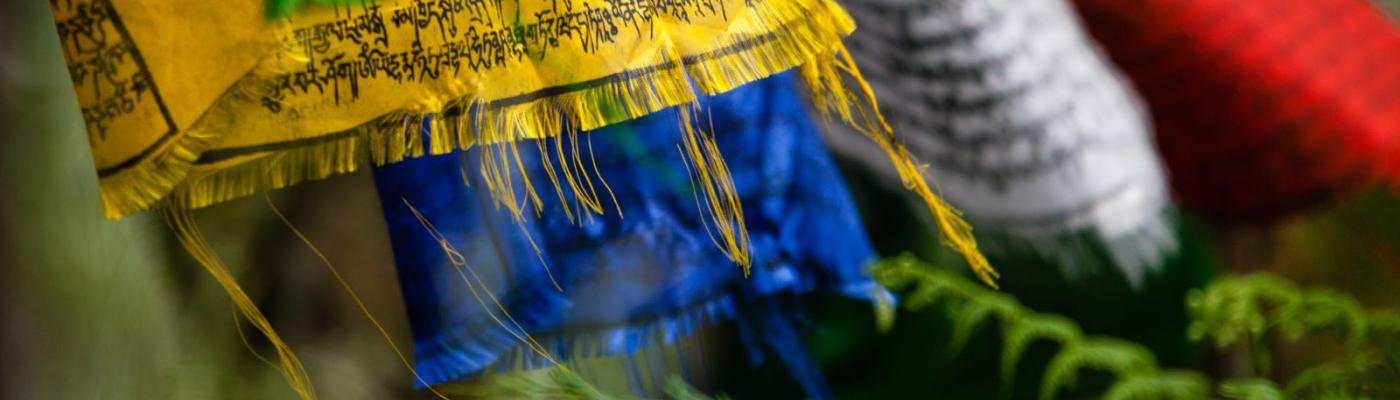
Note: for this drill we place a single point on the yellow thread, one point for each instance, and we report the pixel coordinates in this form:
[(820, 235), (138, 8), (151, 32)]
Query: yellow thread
[(237, 327), (524, 231), (353, 296), (459, 263), (534, 197), (604, 181), (708, 171), (566, 168), (397, 146), (189, 235), (825, 79), (700, 202), (462, 169), (415, 137), (539, 254), (590, 198), (442, 141), (548, 166), (495, 182)]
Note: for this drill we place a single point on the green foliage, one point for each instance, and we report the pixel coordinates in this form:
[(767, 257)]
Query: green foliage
[(1231, 311), (1020, 333), (563, 384), (1250, 389), (677, 389), (1357, 378), (1119, 357), (552, 383), (1248, 310), (1162, 385), (971, 304), (1245, 309)]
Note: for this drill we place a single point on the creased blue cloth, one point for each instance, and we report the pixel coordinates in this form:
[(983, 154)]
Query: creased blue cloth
[(654, 274)]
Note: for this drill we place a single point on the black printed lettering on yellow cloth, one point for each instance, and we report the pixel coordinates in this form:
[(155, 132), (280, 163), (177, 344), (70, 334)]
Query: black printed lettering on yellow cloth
[(189, 106), (211, 102)]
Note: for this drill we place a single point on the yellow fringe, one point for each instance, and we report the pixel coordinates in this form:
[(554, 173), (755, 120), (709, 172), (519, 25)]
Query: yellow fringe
[(708, 172), (826, 78), (813, 29), (189, 235), (134, 189), (353, 296)]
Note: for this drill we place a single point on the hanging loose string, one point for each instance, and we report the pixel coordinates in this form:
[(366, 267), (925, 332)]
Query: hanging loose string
[(238, 328), (548, 166), (353, 296), (826, 78), (709, 173), (594, 160), (460, 263), (517, 216), (189, 235)]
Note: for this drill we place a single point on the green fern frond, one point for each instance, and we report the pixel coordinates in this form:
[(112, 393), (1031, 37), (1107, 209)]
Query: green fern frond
[(971, 314), (1183, 385), (971, 305), (1245, 309), (1236, 309), (551, 384), (1229, 310), (1384, 323), (905, 272), (1384, 336), (1250, 389), (1021, 333), (1111, 355), (562, 384), (678, 389), (1232, 310), (1360, 377), (1325, 308)]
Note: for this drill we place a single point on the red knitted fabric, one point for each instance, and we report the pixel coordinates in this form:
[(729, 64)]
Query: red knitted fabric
[(1261, 106)]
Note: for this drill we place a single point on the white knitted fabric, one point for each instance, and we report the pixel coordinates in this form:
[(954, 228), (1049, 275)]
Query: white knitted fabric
[(1025, 126)]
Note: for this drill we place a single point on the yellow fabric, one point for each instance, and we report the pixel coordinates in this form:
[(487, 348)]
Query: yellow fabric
[(202, 104)]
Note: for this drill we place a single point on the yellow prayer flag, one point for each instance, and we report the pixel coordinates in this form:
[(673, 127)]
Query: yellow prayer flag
[(206, 103)]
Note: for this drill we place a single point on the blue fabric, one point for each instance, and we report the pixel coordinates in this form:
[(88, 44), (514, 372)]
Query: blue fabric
[(654, 274)]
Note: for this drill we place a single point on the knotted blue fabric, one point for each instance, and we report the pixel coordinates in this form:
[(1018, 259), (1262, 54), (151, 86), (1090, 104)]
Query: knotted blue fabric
[(652, 275)]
